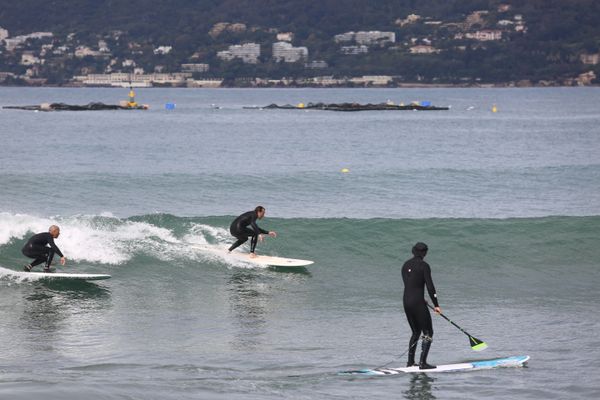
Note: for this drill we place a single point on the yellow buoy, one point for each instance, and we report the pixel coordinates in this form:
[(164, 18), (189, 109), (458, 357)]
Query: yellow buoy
[(494, 108), (131, 101), (300, 105), (345, 170)]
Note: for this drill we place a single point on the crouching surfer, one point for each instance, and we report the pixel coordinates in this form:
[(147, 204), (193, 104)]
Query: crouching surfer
[(244, 227), (416, 274), (41, 248)]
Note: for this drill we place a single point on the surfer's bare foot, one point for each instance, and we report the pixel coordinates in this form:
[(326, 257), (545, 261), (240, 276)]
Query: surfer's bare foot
[(27, 268), (253, 255)]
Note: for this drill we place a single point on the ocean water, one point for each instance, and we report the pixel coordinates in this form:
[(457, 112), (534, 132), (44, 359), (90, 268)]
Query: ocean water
[(508, 202)]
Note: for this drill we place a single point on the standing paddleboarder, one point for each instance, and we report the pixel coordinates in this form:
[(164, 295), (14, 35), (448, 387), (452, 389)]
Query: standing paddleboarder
[(416, 274), (245, 226)]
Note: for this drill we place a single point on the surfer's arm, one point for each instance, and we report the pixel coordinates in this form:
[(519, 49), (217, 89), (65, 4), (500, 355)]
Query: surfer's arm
[(258, 229), (429, 284), (55, 247)]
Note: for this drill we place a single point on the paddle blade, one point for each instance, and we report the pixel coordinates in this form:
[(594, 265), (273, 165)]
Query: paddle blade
[(477, 345)]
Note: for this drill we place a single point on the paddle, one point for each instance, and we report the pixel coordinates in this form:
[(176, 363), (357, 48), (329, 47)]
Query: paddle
[(476, 344)]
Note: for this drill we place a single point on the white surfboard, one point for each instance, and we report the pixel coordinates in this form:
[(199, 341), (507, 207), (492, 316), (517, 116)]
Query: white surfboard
[(514, 361), (65, 276), (261, 260)]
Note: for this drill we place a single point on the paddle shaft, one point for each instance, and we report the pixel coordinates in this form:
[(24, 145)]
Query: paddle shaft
[(448, 319)]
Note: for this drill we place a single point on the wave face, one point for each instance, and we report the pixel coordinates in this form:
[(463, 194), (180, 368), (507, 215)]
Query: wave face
[(481, 243)]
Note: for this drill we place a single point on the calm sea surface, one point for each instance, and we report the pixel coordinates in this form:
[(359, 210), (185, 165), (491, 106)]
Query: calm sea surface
[(508, 202)]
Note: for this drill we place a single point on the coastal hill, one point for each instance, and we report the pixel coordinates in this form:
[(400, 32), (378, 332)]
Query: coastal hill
[(326, 42)]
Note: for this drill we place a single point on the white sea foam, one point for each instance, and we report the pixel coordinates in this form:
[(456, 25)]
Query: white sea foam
[(110, 240), (94, 239), (210, 243), (8, 276)]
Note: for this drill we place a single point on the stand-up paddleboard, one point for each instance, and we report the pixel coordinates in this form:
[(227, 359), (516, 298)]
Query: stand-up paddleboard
[(261, 260), (514, 361), (65, 276)]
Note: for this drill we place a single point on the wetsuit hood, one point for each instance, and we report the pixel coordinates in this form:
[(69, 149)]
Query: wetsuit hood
[(420, 250)]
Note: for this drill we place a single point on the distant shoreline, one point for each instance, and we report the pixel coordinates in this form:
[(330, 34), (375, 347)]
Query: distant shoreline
[(399, 86)]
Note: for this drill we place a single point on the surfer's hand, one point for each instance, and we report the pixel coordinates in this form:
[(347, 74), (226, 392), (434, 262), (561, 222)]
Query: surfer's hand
[(273, 234), (260, 238), (63, 260), (437, 310)]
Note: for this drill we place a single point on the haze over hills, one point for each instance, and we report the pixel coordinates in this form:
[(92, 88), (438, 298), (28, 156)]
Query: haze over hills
[(265, 42)]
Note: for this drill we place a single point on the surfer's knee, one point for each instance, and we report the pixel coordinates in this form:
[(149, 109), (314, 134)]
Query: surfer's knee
[(427, 338)]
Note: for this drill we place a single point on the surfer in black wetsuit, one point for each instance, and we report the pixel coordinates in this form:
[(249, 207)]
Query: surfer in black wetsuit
[(240, 229), (41, 248), (416, 274)]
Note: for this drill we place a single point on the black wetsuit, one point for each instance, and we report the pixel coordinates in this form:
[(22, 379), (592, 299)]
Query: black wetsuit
[(239, 229), (416, 274), (37, 248)]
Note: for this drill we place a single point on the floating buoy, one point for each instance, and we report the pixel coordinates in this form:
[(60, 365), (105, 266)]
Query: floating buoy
[(300, 105), (170, 106), (494, 108), (345, 170)]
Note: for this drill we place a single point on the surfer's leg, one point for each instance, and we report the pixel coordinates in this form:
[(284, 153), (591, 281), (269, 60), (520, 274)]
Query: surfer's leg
[(414, 339), (427, 339), (242, 236), (253, 243), (39, 255), (240, 241), (49, 260)]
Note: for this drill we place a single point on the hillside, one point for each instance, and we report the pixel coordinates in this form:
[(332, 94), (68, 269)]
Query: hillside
[(434, 41)]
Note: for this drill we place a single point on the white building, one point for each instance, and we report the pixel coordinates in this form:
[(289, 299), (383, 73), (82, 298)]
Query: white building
[(285, 37), (84, 51), (29, 59), (423, 49), (60, 50), (248, 53), (163, 50), (204, 83), (103, 46), (327, 81), (590, 59), (485, 35), (344, 37), (410, 19), (120, 79), (505, 22), (316, 64), (354, 50), (13, 43), (194, 67), (38, 35), (367, 38), (283, 51), (46, 48), (375, 80)]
